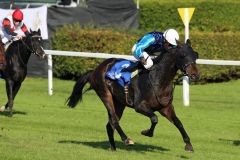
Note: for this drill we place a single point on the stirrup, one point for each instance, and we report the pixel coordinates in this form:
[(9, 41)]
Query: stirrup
[(126, 90)]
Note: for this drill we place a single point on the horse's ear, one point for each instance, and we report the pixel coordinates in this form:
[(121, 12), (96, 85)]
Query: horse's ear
[(178, 43), (188, 42), (30, 30), (39, 31)]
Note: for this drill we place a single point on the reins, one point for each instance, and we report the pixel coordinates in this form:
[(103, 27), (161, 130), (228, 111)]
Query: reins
[(156, 68), (27, 46), (20, 57)]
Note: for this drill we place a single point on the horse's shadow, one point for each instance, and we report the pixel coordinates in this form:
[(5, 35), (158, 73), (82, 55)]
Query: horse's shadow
[(234, 142), (7, 113), (105, 145)]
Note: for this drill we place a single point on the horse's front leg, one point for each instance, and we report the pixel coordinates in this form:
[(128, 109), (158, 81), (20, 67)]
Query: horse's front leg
[(169, 113), (9, 89), (145, 110), (15, 90)]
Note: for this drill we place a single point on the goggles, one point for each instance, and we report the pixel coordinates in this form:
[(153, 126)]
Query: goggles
[(15, 20)]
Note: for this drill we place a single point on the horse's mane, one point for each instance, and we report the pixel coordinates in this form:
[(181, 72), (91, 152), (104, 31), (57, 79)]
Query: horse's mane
[(16, 45), (164, 57), (161, 70), (24, 39), (159, 58)]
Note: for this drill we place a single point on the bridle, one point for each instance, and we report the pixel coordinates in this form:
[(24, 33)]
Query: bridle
[(184, 66), (31, 48)]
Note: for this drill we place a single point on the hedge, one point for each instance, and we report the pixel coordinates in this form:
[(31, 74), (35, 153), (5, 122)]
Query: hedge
[(75, 38), (217, 46), (208, 15)]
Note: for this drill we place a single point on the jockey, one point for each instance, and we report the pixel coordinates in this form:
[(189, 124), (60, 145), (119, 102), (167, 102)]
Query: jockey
[(154, 42), (151, 43), (13, 27)]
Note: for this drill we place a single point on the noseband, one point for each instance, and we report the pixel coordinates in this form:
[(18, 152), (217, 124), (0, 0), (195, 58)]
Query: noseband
[(185, 66)]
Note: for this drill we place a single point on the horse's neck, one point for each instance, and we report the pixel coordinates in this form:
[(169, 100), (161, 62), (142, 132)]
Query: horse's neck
[(165, 70), (21, 51), (2, 50), (24, 52)]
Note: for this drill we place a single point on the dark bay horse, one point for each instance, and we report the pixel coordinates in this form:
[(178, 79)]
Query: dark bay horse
[(2, 57), (150, 91), (17, 56)]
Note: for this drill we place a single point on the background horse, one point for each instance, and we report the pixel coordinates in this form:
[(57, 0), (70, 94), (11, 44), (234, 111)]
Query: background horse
[(17, 56), (150, 91), (2, 56)]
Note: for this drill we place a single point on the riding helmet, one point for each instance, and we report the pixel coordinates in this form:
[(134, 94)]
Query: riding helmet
[(17, 15)]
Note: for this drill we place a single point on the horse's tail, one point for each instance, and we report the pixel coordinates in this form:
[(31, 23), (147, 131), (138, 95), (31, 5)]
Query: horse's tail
[(77, 92)]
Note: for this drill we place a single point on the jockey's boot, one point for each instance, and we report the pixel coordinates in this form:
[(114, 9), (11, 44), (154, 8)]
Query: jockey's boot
[(127, 98), (131, 68)]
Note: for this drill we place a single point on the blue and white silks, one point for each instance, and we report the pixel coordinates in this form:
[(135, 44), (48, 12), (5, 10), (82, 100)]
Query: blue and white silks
[(150, 43), (123, 78), (145, 42)]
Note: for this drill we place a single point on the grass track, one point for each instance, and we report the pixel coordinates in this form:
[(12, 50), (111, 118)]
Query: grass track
[(44, 128)]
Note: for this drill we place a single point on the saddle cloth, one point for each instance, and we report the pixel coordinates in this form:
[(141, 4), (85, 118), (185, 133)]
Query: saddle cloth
[(115, 73)]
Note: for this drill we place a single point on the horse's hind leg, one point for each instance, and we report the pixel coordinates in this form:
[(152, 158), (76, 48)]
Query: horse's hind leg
[(169, 113), (119, 111), (110, 133), (143, 109), (119, 108), (113, 119)]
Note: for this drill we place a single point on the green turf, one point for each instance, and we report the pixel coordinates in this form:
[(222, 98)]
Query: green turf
[(43, 128)]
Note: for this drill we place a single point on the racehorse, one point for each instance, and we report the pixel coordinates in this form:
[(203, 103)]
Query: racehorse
[(150, 91), (17, 56), (2, 57)]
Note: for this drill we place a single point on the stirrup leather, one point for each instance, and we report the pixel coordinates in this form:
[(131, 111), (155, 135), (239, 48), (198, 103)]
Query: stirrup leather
[(127, 100)]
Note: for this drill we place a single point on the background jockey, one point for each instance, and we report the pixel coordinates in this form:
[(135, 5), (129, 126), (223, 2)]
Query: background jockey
[(154, 42), (13, 26)]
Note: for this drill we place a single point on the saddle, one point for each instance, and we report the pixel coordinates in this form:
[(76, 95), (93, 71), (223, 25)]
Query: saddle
[(119, 72)]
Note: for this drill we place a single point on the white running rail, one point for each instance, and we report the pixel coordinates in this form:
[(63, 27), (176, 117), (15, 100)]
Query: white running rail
[(186, 98)]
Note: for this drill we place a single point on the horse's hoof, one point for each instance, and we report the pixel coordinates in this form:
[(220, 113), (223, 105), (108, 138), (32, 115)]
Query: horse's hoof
[(189, 148), (113, 149), (2, 109), (128, 142), (147, 133)]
